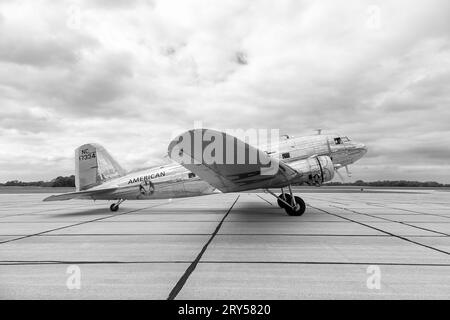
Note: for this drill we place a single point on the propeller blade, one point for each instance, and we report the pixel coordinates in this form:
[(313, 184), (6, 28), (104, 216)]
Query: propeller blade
[(329, 149), (339, 174), (349, 174)]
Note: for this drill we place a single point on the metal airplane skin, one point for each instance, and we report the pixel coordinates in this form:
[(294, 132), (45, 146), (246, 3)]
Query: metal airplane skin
[(312, 160)]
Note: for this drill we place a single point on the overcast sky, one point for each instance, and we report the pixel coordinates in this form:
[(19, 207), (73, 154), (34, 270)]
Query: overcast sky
[(127, 74)]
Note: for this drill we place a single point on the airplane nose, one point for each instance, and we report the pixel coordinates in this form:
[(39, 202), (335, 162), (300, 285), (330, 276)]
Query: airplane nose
[(363, 148)]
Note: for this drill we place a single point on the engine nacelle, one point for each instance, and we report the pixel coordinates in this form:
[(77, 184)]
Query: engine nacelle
[(314, 170)]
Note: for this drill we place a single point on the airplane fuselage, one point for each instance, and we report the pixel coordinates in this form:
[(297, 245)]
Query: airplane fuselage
[(174, 181)]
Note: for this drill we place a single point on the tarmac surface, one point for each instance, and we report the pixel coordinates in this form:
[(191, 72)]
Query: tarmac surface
[(348, 245)]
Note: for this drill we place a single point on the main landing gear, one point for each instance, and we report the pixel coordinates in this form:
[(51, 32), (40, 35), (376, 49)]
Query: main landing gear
[(293, 205), (115, 206)]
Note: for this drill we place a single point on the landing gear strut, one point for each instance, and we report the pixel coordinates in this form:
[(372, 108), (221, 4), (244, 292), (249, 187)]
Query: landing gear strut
[(293, 205), (115, 206)]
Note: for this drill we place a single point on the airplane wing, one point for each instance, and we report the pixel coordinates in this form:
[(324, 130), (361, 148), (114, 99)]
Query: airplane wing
[(88, 194), (229, 171)]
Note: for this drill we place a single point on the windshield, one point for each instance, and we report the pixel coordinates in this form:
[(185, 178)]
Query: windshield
[(341, 140)]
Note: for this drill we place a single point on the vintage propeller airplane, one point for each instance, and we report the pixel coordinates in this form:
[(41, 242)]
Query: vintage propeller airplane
[(217, 162)]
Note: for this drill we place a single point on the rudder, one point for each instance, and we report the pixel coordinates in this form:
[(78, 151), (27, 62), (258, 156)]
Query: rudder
[(93, 166)]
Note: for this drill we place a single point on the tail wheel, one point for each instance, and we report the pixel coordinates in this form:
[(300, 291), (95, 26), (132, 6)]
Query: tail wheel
[(114, 207), (299, 208), (287, 198)]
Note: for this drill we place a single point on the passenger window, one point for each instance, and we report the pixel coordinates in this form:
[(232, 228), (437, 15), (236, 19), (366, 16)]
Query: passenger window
[(191, 175), (337, 141), (285, 155)]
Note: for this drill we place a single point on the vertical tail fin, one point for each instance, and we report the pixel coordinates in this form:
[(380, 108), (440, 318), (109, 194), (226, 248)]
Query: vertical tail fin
[(93, 166)]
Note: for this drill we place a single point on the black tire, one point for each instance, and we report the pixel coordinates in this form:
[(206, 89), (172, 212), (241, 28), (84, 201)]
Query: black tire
[(299, 208), (114, 207), (282, 204)]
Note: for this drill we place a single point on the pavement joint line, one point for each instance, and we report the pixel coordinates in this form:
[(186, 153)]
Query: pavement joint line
[(34, 212), (386, 219), (223, 234), (415, 213), (229, 221), (182, 281), (233, 221), (80, 223), (382, 206), (318, 199), (264, 199), (408, 210), (58, 262), (168, 221), (384, 231)]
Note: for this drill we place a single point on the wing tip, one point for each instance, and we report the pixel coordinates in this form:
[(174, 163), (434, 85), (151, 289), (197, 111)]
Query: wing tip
[(57, 197), (51, 198)]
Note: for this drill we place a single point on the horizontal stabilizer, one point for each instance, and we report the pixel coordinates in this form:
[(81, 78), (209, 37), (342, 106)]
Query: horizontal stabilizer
[(88, 194)]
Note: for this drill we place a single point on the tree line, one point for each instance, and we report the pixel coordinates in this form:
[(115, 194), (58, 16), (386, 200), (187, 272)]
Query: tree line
[(57, 182), (391, 183), (70, 182)]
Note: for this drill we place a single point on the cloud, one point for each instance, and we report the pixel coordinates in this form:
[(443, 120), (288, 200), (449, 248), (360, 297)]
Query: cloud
[(129, 74)]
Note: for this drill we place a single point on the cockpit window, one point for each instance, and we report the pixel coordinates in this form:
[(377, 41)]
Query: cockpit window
[(341, 140)]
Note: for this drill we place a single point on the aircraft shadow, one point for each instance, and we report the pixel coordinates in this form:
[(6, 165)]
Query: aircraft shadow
[(86, 212)]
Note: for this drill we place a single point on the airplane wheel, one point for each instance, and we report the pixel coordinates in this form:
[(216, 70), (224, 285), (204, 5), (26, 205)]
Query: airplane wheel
[(287, 197), (114, 207), (299, 208)]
